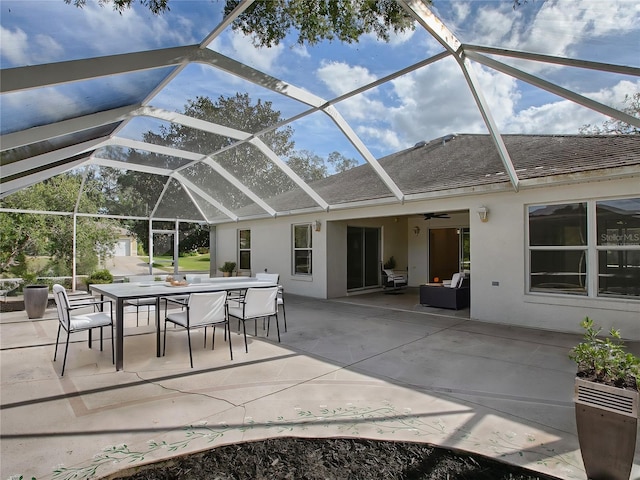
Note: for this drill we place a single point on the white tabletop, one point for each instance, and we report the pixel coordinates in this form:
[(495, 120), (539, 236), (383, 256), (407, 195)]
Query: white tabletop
[(158, 289)]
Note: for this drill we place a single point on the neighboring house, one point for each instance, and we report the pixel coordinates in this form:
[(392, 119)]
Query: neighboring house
[(126, 245), (564, 246)]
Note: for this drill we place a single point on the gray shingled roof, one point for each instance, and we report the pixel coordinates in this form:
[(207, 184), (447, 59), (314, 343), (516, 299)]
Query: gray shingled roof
[(469, 160)]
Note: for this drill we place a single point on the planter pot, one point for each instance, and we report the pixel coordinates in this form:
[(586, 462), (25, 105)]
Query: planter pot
[(36, 298), (606, 418), (226, 274)]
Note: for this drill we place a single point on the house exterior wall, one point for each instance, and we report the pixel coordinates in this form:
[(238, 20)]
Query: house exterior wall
[(498, 253), (271, 249)]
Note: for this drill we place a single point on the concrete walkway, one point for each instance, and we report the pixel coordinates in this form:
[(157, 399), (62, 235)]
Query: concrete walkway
[(391, 371)]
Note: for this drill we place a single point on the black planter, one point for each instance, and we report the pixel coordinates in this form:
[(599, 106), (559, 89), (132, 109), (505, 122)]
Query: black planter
[(606, 418), (36, 298)]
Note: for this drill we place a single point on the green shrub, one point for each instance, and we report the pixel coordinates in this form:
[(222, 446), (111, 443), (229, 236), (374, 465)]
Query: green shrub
[(605, 360), (99, 276), (228, 267), (391, 264)]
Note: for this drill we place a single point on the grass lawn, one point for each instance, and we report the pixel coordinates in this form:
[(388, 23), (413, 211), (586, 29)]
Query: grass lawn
[(192, 263)]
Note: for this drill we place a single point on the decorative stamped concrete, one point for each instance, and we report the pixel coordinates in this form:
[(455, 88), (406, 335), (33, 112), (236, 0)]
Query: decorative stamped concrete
[(531, 449), (450, 382)]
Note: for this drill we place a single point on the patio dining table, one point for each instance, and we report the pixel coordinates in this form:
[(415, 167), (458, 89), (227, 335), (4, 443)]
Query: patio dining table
[(121, 292)]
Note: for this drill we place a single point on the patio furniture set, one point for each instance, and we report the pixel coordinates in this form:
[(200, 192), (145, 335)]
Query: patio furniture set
[(207, 302), (454, 294)]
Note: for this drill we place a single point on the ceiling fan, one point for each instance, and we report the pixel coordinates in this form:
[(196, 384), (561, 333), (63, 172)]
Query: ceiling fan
[(429, 216)]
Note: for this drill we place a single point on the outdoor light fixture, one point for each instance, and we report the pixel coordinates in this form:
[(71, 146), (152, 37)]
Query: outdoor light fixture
[(316, 225), (416, 230), (483, 213)]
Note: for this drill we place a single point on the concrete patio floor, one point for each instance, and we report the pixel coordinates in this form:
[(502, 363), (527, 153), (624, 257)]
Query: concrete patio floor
[(376, 366)]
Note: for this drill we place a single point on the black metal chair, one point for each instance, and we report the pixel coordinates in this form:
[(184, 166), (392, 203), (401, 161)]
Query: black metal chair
[(81, 322), (201, 310), (257, 302)]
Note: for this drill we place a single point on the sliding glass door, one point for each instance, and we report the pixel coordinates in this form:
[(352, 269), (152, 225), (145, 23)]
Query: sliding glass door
[(363, 257)]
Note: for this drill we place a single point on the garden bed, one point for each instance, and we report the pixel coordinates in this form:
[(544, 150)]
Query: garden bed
[(332, 458)]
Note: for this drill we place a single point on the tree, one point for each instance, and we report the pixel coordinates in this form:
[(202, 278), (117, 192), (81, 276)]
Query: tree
[(341, 163), (156, 6), (307, 165), (137, 193), (244, 161), (631, 106), (52, 235), (269, 22)]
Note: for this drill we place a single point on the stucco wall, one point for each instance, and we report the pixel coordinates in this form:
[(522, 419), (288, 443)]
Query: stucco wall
[(271, 247), (498, 254)]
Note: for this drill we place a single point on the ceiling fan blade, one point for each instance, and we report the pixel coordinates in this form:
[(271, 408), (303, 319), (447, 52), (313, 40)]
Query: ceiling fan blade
[(429, 216)]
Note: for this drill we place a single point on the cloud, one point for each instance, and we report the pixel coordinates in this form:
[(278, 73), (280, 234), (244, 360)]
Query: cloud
[(14, 46), (401, 38), (18, 51), (140, 28), (240, 47), (300, 50), (382, 136), (341, 77), (436, 101), (39, 106), (567, 117), (86, 32)]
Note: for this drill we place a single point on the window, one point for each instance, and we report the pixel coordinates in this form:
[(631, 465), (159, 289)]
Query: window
[(244, 249), (586, 247), (558, 248), (618, 246), (302, 251)]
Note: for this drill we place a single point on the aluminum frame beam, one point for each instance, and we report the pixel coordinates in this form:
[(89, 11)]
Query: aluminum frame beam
[(555, 89), (430, 22)]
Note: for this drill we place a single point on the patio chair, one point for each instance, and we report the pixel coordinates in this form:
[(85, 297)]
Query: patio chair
[(202, 310), (275, 277), (80, 322), (258, 302), (142, 302), (392, 280)]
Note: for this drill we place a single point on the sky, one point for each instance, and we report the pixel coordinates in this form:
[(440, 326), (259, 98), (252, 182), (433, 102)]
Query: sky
[(421, 105)]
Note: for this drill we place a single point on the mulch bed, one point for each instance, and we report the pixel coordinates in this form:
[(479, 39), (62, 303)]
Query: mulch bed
[(331, 459)]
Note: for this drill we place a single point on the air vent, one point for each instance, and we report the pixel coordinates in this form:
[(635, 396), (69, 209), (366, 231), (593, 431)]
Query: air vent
[(448, 138), (421, 143), (617, 400)]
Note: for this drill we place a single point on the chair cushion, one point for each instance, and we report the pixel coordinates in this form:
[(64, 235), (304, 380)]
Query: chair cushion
[(456, 280), (90, 320), (178, 317)]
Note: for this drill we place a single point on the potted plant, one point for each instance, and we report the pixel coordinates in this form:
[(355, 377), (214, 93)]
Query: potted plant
[(36, 297), (228, 268), (391, 264), (606, 403)]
